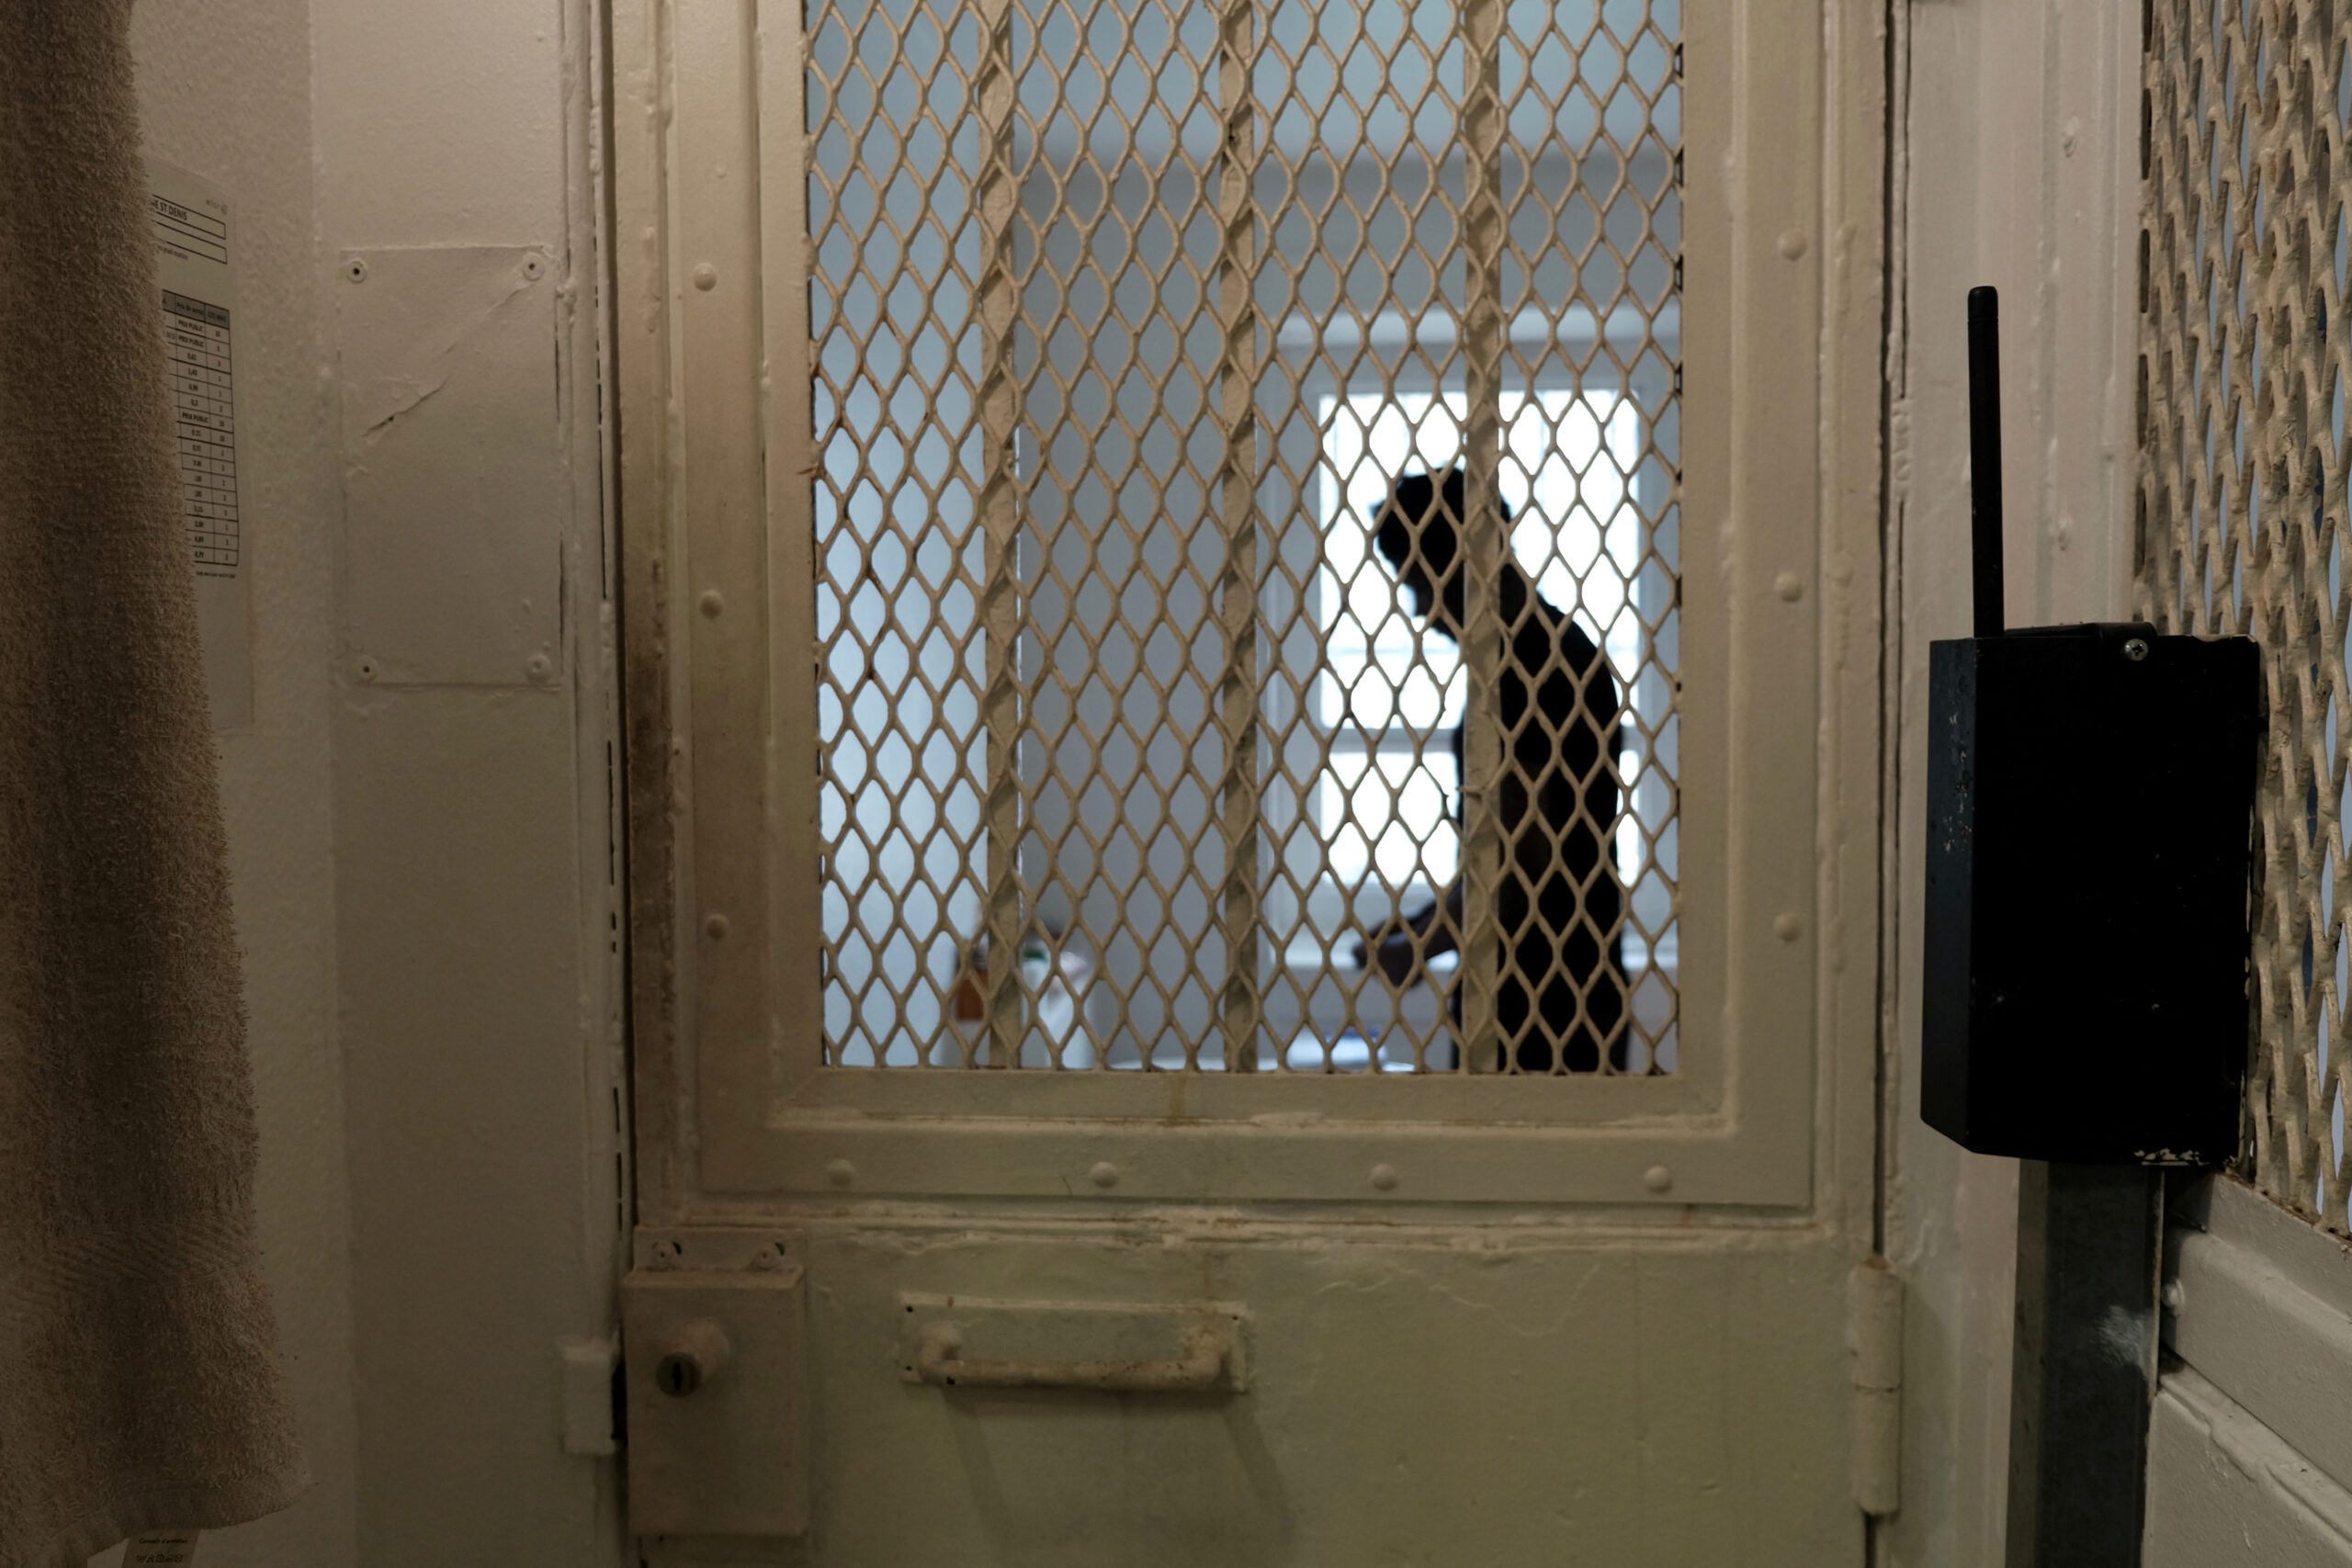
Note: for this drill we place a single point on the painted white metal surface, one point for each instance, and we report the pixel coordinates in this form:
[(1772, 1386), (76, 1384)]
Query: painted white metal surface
[(1587, 1317), (478, 974), (2248, 1457), (454, 480), (2260, 1304), (2223, 1490), (1521, 1394)]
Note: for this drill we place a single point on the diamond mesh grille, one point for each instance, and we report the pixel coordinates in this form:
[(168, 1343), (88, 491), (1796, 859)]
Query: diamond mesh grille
[(2243, 476), (1126, 316)]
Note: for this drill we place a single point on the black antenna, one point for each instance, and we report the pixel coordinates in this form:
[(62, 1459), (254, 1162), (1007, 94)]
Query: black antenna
[(1985, 453)]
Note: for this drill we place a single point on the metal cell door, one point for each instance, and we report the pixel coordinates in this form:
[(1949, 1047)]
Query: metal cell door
[(2242, 523), (1254, 900)]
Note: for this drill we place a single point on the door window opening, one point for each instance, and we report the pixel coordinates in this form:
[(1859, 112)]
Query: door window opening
[(1109, 329)]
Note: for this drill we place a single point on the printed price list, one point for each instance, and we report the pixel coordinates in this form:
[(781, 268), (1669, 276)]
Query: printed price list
[(195, 340)]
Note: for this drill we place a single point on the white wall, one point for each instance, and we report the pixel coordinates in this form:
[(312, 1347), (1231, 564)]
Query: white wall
[(479, 991), (420, 861), (225, 90), (2021, 169)]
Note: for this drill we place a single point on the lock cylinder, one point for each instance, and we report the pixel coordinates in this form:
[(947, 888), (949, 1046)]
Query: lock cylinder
[(694, 1355)]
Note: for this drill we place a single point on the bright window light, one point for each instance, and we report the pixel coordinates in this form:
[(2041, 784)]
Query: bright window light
[(1567, 462)]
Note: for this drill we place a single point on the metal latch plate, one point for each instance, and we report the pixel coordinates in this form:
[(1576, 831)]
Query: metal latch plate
[(714, 1372)]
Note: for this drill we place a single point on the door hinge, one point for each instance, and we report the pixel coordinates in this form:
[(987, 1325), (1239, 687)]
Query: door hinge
[(1874, 1312)]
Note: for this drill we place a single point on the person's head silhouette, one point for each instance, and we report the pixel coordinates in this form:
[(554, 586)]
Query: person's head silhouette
[(1418, 533)]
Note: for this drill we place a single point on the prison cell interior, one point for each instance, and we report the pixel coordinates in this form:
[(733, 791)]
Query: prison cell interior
[(1124, 318)]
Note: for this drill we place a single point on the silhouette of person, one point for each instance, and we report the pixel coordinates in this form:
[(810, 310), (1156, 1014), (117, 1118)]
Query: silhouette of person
[(1561, 999)]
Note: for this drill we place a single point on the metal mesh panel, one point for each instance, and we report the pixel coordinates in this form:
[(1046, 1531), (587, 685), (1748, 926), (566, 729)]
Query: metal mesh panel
[(1126, 318), (2243, 476)]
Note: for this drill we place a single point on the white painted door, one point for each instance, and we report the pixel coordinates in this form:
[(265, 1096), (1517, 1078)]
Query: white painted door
[(1024, 728)]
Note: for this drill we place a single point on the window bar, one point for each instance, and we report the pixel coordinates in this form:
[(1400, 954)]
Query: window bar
[(1239, 1006), (999, 516), (1481, 555)]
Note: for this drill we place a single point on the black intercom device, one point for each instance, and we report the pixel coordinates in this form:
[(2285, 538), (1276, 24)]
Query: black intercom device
[(2090, 802)]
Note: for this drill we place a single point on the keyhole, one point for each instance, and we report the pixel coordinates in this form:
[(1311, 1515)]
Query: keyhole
[(677, 1374), (694, 1353)]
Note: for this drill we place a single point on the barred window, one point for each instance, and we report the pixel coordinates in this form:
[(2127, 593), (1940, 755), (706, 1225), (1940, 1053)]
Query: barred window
[(2243, 495), (1127, 321)]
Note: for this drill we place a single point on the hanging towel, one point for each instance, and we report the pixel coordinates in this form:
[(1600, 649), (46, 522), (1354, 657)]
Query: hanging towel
[(140, 1385)]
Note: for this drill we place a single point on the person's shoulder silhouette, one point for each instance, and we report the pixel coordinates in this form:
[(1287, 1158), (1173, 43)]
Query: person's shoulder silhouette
[(1562, 996)]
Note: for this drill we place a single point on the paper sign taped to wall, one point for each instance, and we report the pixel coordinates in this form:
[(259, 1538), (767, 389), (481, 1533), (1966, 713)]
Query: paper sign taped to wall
[(197, 270), (160, 1549)]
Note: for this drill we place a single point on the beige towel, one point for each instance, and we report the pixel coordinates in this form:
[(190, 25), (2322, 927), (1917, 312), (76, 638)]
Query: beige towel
[(139, 1377)]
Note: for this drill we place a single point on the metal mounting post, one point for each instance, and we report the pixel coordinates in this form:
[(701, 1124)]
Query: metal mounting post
[(2089, 1251)]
